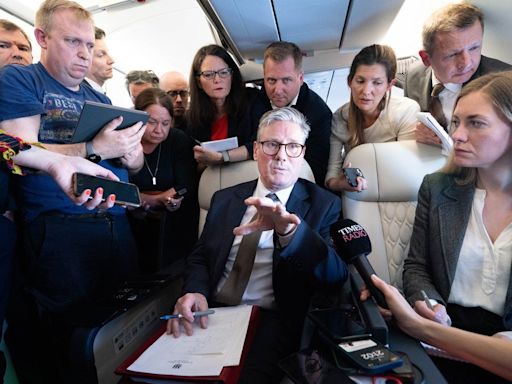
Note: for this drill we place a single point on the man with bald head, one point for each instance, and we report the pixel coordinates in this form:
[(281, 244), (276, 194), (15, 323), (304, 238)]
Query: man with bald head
[(15, 47), (176, 86)]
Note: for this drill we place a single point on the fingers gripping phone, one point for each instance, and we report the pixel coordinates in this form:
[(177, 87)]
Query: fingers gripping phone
[(180, 193), (351, 175), (126, 193)]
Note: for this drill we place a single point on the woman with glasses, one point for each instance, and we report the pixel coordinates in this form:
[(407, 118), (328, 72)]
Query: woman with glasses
[(371, 115), (218, 106), (168, 168)]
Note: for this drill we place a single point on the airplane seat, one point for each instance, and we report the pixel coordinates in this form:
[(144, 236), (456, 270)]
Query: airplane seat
[(222, 176), (394, 172)]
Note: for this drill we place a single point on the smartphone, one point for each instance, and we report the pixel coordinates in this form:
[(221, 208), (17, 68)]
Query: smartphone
[(126, 193), (351, 174), (368, 354), (180, 192)]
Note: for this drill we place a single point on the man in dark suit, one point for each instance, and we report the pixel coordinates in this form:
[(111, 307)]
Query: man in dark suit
[(451, 56), (284, 86), (293, 258)]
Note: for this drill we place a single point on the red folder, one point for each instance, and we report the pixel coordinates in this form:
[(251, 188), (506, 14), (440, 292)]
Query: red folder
[(228, 375)]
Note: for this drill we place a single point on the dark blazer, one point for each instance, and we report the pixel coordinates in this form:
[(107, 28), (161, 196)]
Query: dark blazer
[(417, 81), (309, 261), (442, 216), (319, 117)]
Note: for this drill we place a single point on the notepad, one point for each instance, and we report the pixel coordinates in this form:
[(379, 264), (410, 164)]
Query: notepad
[(221, 145), (429, 121), (205, 353)]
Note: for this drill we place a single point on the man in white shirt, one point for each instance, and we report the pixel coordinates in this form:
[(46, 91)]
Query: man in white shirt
[(451, 56), (101, 68)]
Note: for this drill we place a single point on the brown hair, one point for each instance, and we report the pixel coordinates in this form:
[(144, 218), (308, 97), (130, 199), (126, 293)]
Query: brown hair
[(202, 111), (11, 27), (447, 19), (497, 87), (373, 54), (44, 15), (151, 96), (281, 50)]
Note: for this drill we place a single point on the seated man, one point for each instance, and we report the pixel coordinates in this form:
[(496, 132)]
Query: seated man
[(293, 256)]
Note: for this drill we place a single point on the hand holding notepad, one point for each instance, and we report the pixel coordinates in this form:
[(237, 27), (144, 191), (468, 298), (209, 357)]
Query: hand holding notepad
[(430, 122)]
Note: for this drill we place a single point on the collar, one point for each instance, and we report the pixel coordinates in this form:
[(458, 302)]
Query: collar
[(452, 87), (294, 101), (95, 86), (282, 194)]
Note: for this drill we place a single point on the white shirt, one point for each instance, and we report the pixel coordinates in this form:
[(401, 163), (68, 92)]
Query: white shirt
[(96, 86), (483, 268), (396, 122), (447, 97), (259, 290)]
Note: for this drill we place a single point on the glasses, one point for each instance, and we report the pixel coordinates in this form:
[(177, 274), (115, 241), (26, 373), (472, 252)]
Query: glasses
[(143, 76), (174, 94), (222, 73), (271, 148)]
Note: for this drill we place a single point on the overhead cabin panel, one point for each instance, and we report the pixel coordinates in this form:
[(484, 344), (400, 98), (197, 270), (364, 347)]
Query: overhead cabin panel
[(314, 25), (368, 23), (251, 24)]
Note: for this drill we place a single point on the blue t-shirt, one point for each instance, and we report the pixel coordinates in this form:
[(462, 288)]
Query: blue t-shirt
[(28, 91)]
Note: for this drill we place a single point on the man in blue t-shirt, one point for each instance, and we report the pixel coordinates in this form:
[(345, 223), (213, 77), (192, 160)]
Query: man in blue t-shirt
[(71, 257)]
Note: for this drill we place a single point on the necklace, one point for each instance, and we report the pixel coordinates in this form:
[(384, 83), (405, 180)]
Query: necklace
[(153, 175)]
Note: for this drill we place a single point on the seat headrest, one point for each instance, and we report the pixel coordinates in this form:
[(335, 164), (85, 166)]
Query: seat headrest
[(394, 170)]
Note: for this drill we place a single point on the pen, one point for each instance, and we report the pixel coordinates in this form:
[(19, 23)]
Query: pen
[(427, 300), (195, 314), (197, 141)]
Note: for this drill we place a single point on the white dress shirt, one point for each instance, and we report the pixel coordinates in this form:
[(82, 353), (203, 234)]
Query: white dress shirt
[(447, 97), (259, 289), (483, 269)]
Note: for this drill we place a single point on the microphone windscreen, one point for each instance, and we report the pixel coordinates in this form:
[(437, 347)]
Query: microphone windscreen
[(350, 239)]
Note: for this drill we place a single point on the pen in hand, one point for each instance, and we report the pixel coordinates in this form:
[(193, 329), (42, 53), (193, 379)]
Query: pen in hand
[(427, 300), (195, 314)]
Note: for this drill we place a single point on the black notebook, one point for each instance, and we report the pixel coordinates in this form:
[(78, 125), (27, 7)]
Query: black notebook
[(95, 115)]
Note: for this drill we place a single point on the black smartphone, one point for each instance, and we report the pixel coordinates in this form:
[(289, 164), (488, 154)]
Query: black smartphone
[(351, 174), (368, 354), (181, 192), (126, 193)]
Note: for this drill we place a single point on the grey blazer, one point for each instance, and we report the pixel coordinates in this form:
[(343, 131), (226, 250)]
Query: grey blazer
[(442, 217), (417, 82)]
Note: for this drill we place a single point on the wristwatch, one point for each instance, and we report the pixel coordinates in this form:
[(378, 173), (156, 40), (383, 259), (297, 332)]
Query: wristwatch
[(225, 156), (89, 153)]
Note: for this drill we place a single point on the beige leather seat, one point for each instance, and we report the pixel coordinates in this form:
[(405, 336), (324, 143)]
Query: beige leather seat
[(386, 209), (223, 176)]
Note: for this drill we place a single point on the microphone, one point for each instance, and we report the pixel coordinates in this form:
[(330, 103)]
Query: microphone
[(353, 244)]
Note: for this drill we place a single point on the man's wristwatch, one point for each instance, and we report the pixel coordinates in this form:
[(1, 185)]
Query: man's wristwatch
[(225, 156), (89, 153)]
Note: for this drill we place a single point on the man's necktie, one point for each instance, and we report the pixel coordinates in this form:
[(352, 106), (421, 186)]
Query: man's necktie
[(435, 107), (233, 289)]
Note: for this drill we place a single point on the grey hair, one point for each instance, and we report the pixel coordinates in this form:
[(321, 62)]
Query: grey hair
[(284, 114)]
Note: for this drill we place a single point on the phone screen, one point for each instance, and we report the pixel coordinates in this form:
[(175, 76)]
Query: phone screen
[(126, 193), (351, 174)]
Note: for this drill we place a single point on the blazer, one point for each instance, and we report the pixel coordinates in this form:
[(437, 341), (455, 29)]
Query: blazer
[(442, 216), (417, 81), (308, 262), (319, 117)]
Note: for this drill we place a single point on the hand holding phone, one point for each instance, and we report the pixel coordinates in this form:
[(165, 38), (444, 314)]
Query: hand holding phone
[(351, 174), (126, 193)]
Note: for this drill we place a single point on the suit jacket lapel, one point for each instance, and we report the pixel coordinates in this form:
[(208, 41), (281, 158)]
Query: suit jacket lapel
[(453, 220), (426, 89), (297, 202)]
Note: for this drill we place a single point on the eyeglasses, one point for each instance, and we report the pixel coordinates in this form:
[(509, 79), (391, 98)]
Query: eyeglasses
[(174, 94), (144, 76), (222, 73), (271, 148)]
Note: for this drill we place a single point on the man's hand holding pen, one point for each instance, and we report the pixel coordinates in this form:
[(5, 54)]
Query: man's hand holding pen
[(186, 306)]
